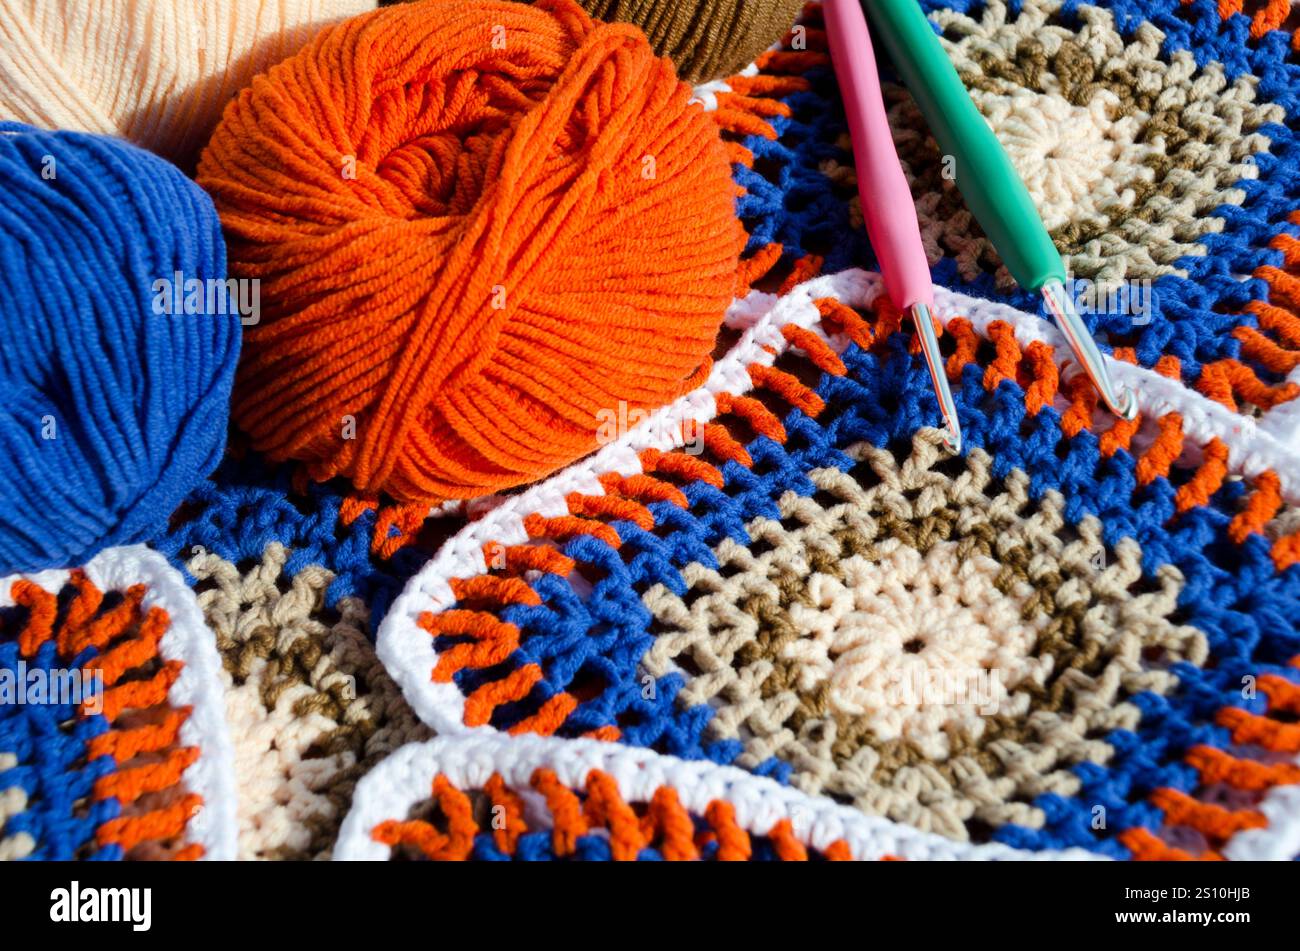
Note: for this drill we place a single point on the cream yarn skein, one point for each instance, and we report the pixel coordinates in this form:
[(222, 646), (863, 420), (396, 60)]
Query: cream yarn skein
[(157, 72)]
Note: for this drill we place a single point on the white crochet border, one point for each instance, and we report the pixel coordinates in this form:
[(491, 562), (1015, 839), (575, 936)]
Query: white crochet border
[(406, 777), (198, 686), (406, 649), (1279, 841), (1283, 422)]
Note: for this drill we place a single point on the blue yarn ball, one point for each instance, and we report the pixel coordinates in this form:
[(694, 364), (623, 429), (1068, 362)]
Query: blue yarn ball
[(110, 410)]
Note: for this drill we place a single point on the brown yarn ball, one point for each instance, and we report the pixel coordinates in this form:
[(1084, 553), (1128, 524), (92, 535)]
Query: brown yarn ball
[(706, 39)]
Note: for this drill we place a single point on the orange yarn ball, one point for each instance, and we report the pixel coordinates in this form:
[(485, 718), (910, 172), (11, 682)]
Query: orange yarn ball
[(477, 225)]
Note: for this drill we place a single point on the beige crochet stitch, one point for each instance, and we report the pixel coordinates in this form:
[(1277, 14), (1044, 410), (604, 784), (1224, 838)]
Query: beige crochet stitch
[(310, 707), (807, 652), (1126, 152)]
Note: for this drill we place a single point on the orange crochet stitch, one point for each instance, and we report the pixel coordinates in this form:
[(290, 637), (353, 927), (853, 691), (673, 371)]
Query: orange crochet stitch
[(477, 225)]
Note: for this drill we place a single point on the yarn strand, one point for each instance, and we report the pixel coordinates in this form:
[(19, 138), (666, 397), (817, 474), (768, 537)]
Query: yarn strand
[(478, 225), (110, 411)]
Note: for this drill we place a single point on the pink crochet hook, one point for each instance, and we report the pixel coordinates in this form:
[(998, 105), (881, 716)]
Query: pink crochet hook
[(886, 198)]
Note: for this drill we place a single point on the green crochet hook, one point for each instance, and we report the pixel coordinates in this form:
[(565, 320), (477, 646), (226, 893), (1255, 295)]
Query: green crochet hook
[(988, 181)]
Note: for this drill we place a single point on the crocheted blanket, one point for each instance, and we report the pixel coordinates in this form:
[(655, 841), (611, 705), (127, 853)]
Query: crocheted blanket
[(775, 620)]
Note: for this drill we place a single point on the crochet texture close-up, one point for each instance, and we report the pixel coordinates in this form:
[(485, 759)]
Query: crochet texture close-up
[(766, 616)]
